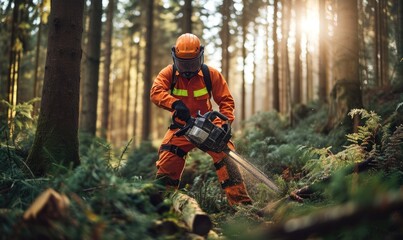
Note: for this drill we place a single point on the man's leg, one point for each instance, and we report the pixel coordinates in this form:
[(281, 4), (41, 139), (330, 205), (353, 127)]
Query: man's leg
[(171, 160), (230, 178)]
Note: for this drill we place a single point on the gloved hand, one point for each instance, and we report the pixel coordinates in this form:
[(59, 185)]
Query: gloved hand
[(181, 110)]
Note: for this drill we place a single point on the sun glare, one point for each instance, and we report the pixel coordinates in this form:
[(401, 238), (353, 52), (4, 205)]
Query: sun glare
[(310, 24)]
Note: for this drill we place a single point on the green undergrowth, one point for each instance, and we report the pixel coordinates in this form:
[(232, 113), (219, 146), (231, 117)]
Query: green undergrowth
[(112, 193)]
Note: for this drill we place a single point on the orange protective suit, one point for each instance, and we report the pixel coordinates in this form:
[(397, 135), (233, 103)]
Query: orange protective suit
[(173, 150)]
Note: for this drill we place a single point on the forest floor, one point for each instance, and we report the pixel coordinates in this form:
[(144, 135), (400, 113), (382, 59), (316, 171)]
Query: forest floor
[(331, 186)]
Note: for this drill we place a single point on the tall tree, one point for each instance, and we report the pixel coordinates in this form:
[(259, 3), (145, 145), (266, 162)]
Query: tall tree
[(266, 104), (225, 38), (37, 53), (346, 93), (323, 38), (399, 41), (148, 71), (107, 68), (56, 140), (15, 52), (296, 91), (276, 79), (285, 73), (187, 17), (244, 22), (88, 116), (136, 91), (254, 69), (381, 43)]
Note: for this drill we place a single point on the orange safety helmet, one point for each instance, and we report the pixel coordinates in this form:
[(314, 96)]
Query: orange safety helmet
[(188, 55)]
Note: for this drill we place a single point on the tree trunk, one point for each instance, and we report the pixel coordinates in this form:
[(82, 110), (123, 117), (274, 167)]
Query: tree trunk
[(37, 57), (146, 126), (194, 217), (88, 117), (107, 69), (275, 89), (225, 38), (136, 93), (346, 93), (243, 84), (285, 73), (296, 93), (127, 87), (14, 56), (266, 104), (253, 95), (399, 40), (322, 89), (381, 48), (187, 16), (56, 141)]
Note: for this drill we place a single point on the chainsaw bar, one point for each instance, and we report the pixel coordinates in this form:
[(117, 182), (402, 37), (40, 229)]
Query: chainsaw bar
[(251, 169)]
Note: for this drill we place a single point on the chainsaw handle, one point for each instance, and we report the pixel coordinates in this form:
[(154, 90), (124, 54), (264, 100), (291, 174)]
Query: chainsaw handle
[(213, 114), (182, 127)]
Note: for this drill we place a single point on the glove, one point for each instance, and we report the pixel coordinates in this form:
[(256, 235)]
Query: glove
[(181, 110)]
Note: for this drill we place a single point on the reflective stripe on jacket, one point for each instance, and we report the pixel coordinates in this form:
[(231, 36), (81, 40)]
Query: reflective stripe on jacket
[(193, 92)]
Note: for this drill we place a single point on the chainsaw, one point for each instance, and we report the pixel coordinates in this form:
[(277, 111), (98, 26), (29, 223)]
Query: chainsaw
[(205, 135)]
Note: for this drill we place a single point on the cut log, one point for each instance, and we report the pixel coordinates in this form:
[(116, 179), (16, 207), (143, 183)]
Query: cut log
[(48, 205), (334, 218), (194, 217)]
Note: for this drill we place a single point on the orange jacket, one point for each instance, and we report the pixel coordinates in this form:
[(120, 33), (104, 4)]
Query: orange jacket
[(193, 92)]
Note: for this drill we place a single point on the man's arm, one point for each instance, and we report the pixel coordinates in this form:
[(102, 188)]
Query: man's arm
[(159, 93)]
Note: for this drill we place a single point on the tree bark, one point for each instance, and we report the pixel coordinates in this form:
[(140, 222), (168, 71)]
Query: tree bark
[(399, 41), (346, 93), (88, 117), (37, 57), (187, 16), (285, 73), (322, 89), (243, 84), (275, 89), (107, 69), (146, 126), (197, 220), (266, 104), (296, 93), (225, 38), (55, 146)]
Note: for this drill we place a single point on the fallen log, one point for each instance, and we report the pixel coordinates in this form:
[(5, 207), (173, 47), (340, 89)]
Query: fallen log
[(48, 205), (194, 217), (335, 218)]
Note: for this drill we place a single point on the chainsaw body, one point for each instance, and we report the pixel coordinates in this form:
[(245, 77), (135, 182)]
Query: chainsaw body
[(203, 133)]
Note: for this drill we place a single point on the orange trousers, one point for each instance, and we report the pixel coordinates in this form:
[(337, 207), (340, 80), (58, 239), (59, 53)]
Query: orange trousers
[(171, 163)]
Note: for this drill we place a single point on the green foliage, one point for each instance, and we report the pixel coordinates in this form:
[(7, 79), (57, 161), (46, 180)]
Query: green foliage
[(141, 162), (20, 129), (101, 202)]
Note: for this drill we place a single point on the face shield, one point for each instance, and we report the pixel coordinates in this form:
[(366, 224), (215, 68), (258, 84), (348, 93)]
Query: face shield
[(189, 67)]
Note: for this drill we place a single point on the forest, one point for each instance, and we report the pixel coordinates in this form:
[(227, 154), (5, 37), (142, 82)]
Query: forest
[(318, 91)]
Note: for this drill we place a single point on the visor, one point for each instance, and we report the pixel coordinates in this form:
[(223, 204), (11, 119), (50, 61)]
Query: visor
[(189, 66)]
